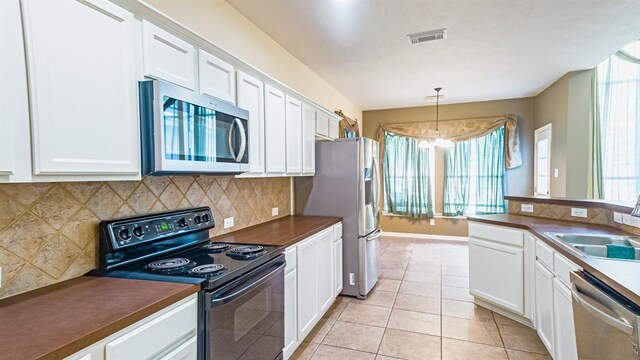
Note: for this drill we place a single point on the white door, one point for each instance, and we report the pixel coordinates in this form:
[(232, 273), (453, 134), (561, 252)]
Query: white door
[(216, 77), (544, 305), (15, 142), (294, 135), (290, 313), (542, 164), (322, 124), (334, 128), (308, 299), (251, 98), (308, 139), (326, 267), (491, 266), (83, 87), (274, 130), (168, 57), (337, 265), (564, 329)]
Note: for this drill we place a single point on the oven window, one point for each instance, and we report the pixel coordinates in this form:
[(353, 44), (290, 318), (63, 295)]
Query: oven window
[(189, 131), (248, 315)]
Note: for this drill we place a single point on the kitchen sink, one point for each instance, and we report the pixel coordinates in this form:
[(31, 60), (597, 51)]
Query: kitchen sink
[(596, 245)]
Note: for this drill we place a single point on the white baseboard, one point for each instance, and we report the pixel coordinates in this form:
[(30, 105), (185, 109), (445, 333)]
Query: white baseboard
[(426, 236)]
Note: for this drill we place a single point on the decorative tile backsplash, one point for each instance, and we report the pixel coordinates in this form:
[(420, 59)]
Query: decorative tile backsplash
[(49, 233), (595, 215)]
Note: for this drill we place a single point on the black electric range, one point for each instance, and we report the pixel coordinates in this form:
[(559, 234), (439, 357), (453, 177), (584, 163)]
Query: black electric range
[(242, 298)]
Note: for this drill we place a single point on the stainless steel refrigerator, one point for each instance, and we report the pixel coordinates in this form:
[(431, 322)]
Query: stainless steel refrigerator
[(347, 184)]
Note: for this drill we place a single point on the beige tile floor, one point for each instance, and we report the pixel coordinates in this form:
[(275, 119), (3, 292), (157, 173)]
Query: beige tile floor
[(420, 309)]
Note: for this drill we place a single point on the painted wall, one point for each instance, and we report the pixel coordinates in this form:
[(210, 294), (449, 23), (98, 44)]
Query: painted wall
[(566, 104), (225, 27), (519, 181)]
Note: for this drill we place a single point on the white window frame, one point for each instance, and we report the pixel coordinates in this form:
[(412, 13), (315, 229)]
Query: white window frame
[(539, 131)]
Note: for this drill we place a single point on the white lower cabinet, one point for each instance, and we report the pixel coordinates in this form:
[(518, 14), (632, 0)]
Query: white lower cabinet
[(564, 329), (544, 306), (169, 334), (311, 280)]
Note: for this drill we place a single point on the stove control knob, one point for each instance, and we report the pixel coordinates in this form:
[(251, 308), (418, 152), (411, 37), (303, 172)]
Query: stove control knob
[(124, 234), (206, 218), (197, 219), (182, 222), (137, 231)]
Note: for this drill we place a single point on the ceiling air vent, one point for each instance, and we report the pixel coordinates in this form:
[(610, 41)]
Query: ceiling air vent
[(427, 36)]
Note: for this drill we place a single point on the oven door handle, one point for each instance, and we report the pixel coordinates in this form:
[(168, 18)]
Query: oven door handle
[(253, 285)]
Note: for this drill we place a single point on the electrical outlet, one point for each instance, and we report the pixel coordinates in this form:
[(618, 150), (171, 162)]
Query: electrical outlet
[(432, 222), (617, 217), (631, 220), (578, 212), (275, 211), (556, 173), (528, 208), (228, 222), (352, 279)]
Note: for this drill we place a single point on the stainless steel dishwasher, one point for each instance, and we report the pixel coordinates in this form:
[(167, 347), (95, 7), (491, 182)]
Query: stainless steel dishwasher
[(606, 323)]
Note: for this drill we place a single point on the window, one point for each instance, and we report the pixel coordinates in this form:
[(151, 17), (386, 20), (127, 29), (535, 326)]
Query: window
[(408, 180), (618, 107), (475, 176)]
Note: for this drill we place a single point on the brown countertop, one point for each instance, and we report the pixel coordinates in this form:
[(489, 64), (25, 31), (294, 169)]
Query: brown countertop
[(620, 275), (58, 320), (285, 231)]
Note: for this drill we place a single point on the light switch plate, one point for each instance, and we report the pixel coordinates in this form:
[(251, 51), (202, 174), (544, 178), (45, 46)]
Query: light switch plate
[(275, 211), (432, 222), (617, 217), (579, 212), (228, 222), (528, 208)]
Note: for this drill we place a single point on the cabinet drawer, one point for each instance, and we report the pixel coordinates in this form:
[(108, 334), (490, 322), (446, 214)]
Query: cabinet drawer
[(544, 254), (496, 234), (563, 267), (291, 258), (149, 339), (337, 232)]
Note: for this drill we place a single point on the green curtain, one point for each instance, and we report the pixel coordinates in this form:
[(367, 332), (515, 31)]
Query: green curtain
[(407, 179), (490, 173), (456, 179)]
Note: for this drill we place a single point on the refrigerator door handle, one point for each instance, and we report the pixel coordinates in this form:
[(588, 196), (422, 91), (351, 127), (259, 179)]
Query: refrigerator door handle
[(375, 181), (376, 234)]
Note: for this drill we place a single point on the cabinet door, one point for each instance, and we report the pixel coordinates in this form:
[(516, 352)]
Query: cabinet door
[(491, 266), (168, 57), (216, 77), (251, 98), (83, 87), (294, 135), (290, 313), (322, 124), (308, 139), (337, 265), (544, 305), (334, 128), (308, 299), (188, 350), (564, 330), (15, 144), (325, 270), (274, 130)]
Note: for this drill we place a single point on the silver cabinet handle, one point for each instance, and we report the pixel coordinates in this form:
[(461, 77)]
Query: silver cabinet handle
[(616, 323), (243, 140)]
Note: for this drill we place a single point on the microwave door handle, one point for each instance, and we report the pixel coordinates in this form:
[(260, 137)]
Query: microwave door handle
[(231, 149), (243, 140), (610, 320)]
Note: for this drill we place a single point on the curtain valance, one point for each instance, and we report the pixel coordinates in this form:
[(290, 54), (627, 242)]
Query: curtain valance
[(463, 130), (347, 124)]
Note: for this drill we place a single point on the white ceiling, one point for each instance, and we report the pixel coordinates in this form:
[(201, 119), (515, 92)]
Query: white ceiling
[(495, 49)]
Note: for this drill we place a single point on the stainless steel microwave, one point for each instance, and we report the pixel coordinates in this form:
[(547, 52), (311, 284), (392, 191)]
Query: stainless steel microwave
[(184, 132)]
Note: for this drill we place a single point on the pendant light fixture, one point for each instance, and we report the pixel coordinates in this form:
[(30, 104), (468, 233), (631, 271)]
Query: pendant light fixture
[(435, 137)]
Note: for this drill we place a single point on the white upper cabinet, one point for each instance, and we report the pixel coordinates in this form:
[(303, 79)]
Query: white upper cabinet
[(322, 124), (83, 87), (308, 139), (251, 98), (217, 78), (274, 126), (168, 57), (294, 135), (15, 151), (334, 128)]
